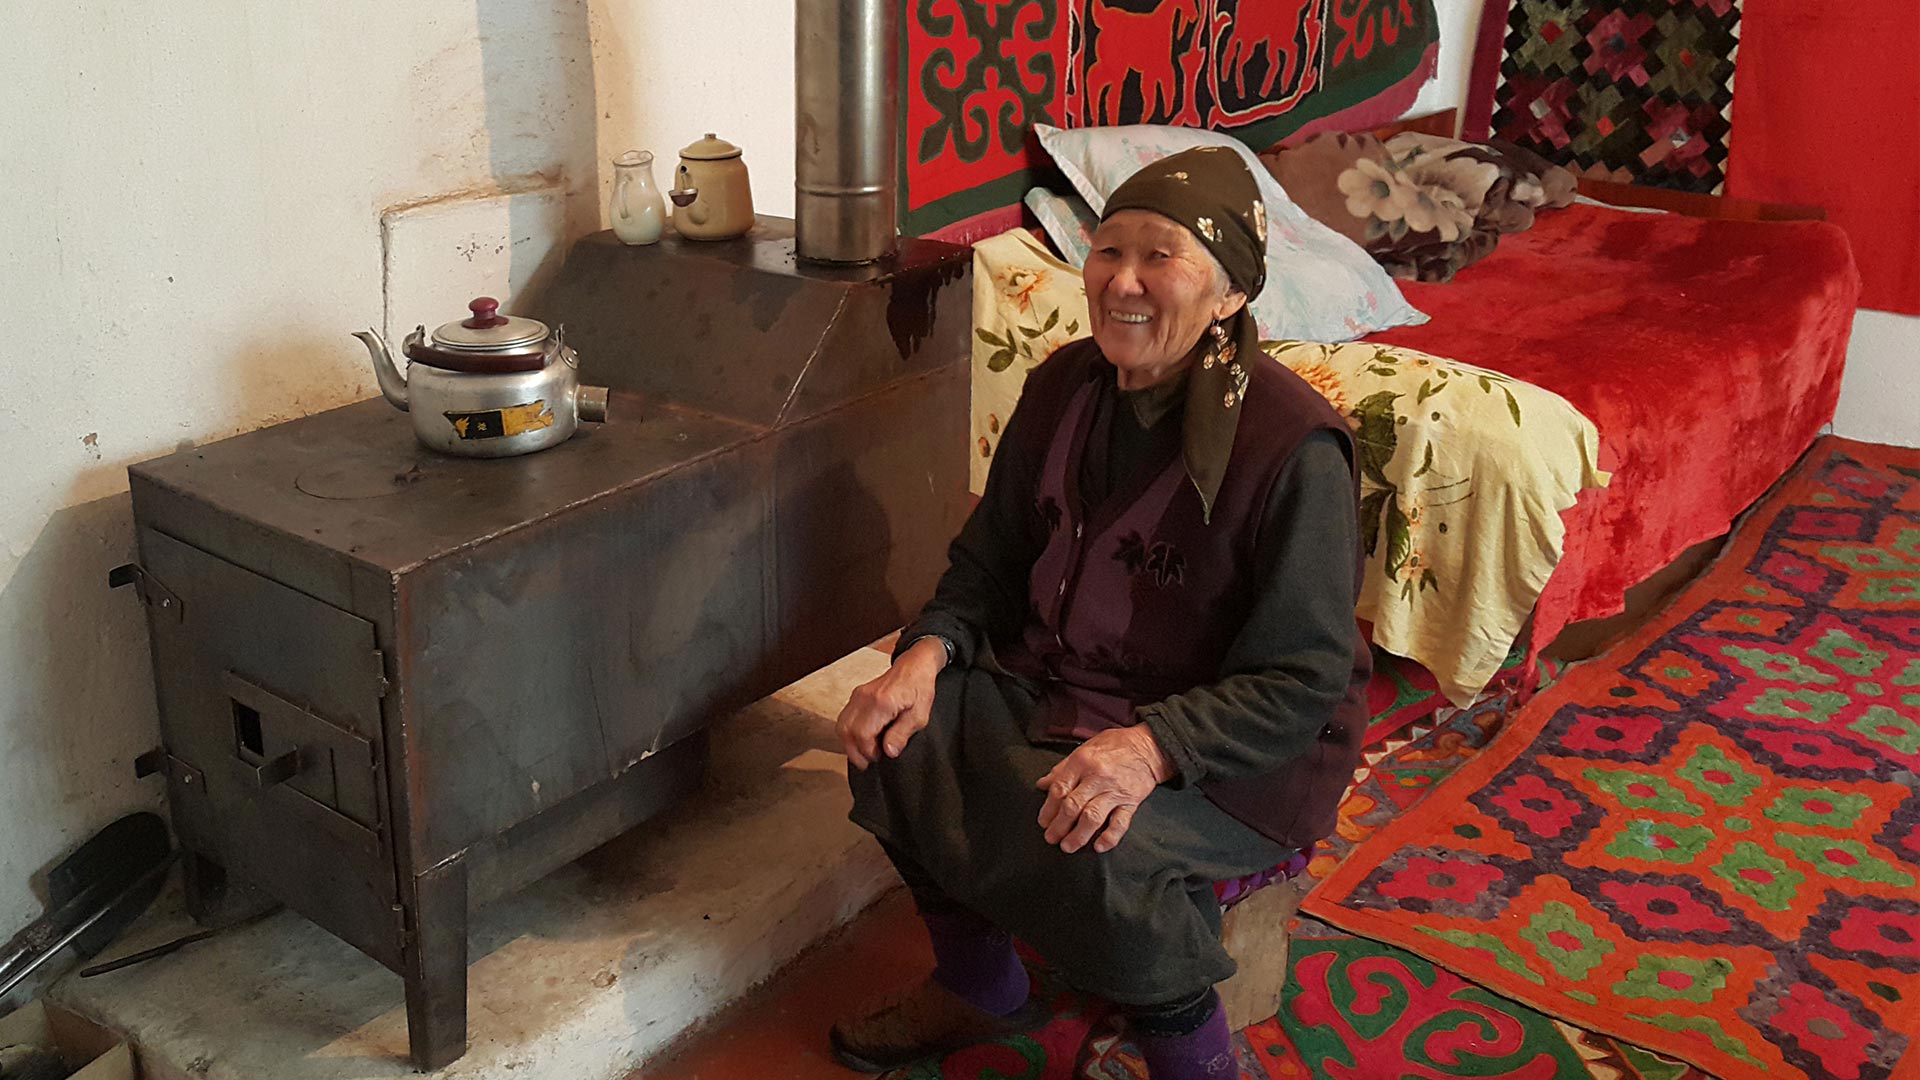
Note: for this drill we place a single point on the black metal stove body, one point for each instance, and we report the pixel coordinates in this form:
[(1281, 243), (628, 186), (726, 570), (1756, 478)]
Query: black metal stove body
[(394, 684)]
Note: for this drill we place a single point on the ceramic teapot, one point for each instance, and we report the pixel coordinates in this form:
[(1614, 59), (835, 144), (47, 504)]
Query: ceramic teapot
[(488, 386), (711, 198)]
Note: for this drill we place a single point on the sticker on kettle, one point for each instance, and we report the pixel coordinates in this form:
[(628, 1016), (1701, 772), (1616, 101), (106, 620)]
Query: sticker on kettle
[(501, 423)]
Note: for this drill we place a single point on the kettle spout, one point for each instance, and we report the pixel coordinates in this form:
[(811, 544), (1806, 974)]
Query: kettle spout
[(393, 384)]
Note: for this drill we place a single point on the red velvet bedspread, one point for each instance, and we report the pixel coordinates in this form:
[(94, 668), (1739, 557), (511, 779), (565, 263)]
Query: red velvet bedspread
[(1707, 352)]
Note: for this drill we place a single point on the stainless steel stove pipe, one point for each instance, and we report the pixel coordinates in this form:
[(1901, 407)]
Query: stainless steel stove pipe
[(847, 95)]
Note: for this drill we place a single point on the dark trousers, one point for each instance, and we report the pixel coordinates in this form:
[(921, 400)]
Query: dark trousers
[(1138, 925), (1163, 1019)]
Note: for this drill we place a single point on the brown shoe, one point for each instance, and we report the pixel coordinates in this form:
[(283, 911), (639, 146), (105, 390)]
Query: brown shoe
[(919, 1021)]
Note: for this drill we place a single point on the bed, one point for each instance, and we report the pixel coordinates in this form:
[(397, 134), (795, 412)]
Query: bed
[(1707, 352)]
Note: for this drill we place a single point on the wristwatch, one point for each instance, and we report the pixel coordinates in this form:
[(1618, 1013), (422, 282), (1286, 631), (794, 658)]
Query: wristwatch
[(945, 643)]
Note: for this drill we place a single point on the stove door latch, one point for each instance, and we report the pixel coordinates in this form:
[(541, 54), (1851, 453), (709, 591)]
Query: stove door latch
[(158, 762), (277, 771), (152, 592)]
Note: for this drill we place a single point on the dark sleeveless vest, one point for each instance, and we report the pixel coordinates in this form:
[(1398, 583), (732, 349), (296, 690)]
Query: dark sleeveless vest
[(1138, 598)]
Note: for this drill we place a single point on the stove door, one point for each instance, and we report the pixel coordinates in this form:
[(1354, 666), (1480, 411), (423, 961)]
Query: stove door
[(270, 710)]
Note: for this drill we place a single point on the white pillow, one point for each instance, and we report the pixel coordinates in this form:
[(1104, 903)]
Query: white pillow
[(1068, 222), (1321, 286)]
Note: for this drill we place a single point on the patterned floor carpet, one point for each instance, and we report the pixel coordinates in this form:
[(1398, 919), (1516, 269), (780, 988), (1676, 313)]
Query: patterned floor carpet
[(1360, 1010), (1707, 841), (1403, 693)]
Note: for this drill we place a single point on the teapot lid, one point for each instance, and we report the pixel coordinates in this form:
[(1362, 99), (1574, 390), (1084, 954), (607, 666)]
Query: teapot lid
[(489, 331), (711, 148)]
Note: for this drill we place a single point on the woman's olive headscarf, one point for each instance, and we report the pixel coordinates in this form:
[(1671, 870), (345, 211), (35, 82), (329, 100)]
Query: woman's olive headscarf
[(1210, 191)]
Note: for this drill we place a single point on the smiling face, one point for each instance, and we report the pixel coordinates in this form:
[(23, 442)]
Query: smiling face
[(1152, 290)]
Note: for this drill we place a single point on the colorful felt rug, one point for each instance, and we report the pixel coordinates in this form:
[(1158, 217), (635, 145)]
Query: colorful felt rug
[(1402, 693), (1638, 91), (1358, 1010), (1399, 769), (1706, 842)]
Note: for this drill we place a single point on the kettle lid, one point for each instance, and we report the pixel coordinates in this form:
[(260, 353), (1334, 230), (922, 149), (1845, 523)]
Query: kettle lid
[(711, 148), (489, 331)]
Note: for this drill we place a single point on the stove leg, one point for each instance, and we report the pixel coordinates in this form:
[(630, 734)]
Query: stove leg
[(436, 962)]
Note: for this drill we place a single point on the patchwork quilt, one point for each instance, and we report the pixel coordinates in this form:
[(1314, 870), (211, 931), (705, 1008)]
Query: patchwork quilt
[(1636, 91)]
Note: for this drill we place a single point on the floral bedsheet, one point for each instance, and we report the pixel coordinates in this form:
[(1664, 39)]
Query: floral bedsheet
[(1464, 470)]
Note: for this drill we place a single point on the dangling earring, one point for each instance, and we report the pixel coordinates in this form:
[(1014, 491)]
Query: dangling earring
[(1220, 345), (1223, 347)]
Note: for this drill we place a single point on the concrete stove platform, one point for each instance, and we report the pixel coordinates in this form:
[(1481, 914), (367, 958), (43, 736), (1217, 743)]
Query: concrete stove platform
[(583, 975)]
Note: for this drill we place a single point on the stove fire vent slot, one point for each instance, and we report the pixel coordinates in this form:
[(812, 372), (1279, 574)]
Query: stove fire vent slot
[(246, 730)]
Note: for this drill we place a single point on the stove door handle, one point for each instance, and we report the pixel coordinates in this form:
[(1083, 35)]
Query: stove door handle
[(278, 771)]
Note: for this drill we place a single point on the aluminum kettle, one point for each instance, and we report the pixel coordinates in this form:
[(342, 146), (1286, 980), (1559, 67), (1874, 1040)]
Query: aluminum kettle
[(490, 385)]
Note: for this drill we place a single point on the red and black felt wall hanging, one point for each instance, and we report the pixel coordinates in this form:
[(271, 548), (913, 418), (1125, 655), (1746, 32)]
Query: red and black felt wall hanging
[(978, 74)]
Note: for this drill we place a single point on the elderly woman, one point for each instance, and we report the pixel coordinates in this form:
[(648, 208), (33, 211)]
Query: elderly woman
[(1141, 673)]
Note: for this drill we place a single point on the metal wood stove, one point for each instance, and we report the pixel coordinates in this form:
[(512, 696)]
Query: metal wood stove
[(394, 684)]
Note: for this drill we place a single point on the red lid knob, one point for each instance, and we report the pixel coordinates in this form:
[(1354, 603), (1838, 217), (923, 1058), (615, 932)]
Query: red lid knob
[(486, 314)]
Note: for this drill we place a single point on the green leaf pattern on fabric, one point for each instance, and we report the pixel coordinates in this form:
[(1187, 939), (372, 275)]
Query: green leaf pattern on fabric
[(1374, 421), (1008, 349), (1451, 456), (1393, 522)]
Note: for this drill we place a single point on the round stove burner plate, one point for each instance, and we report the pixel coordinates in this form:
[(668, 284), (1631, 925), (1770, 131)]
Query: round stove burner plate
[(360, 476)]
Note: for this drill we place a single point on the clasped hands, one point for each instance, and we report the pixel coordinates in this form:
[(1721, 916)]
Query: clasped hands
[(1092, 794)]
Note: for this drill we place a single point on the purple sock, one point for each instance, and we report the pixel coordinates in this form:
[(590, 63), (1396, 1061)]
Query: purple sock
[(1205, 1053), (975, 960)]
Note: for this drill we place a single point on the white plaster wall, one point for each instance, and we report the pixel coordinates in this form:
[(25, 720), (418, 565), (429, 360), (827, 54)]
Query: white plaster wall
[(668, 72), (1880, 393), (192, 225), (1448, 87)]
